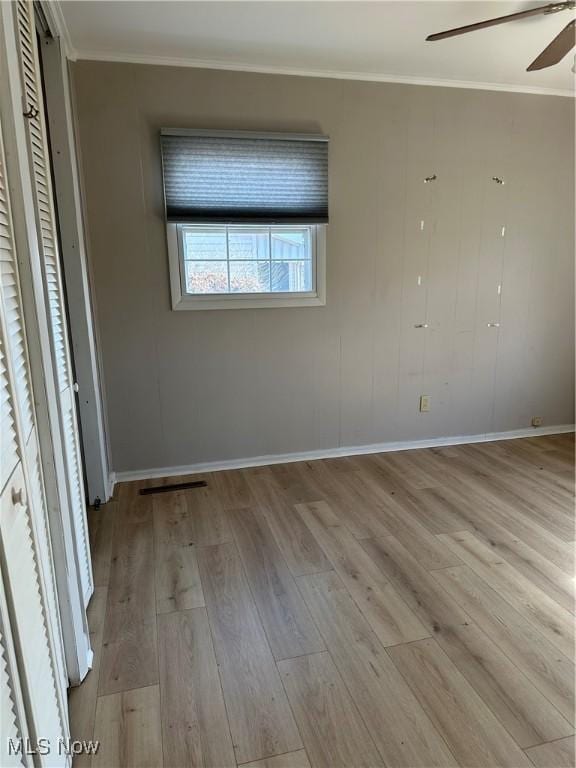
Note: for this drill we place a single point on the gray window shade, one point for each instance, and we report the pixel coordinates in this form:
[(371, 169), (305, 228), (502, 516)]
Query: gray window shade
[(244, 177)]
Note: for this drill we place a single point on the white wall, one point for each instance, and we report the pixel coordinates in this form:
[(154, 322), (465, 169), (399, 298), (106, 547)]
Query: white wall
[(188, 387)]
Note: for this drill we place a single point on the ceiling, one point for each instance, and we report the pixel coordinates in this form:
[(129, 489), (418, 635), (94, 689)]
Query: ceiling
[(362, 40)]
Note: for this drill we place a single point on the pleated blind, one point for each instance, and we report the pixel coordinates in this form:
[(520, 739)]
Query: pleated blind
[(245, 177)]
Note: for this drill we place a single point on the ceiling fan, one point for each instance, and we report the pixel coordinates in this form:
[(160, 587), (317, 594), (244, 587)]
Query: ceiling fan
[(552, 54)]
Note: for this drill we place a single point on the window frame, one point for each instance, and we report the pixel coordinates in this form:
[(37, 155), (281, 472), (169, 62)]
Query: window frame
[(182, 300)]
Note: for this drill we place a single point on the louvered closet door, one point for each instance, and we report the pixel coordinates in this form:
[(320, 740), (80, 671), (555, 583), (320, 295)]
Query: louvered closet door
[(48, 240), (13, 730), (12, 719), (26, 561)]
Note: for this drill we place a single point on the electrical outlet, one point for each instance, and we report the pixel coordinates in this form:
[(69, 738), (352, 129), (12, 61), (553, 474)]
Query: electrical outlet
[(537, 421), (424, 403)]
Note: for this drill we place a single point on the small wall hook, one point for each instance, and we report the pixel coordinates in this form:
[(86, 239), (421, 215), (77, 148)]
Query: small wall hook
[(428, 179), (31, 113), (497, 180)]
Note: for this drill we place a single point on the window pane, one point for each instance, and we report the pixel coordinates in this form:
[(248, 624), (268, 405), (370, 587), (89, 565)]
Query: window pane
[(248, 245), (206, 277), (290, 276), (204, 244), (250, 277), (291, 244), (236, 259)]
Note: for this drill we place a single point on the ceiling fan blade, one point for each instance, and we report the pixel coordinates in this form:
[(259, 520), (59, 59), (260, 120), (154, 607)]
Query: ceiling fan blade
[(558, 48), (550, 8)]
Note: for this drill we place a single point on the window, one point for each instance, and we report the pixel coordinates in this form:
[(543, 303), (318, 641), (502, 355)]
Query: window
[(245, 218), (256, 265)]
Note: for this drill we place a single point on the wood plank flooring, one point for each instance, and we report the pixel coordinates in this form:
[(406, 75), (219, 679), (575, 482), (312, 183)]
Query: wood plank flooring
[(403, 610)]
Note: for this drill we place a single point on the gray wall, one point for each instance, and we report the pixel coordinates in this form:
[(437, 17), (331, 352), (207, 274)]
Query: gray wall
[(186, 387)]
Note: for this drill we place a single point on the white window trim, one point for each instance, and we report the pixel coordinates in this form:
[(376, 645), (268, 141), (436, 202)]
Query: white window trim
[(185, 301)]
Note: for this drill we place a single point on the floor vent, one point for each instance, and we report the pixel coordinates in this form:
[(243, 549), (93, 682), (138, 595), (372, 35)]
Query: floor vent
[(173, 487)]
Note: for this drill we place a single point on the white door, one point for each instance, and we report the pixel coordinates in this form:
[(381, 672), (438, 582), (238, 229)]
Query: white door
[(48, 240), (31, 619)]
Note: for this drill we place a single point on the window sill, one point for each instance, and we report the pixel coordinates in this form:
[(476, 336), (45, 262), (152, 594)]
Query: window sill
[(246, 302)]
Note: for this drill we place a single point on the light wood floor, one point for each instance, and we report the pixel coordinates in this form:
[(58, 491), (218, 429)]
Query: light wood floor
[(400, 609)]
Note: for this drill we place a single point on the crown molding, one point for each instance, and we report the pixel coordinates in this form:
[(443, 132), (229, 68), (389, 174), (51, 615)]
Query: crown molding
[(167, 61)]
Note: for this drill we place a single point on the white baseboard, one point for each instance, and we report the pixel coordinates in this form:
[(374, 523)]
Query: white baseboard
[(110, 486), (330, 453)]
